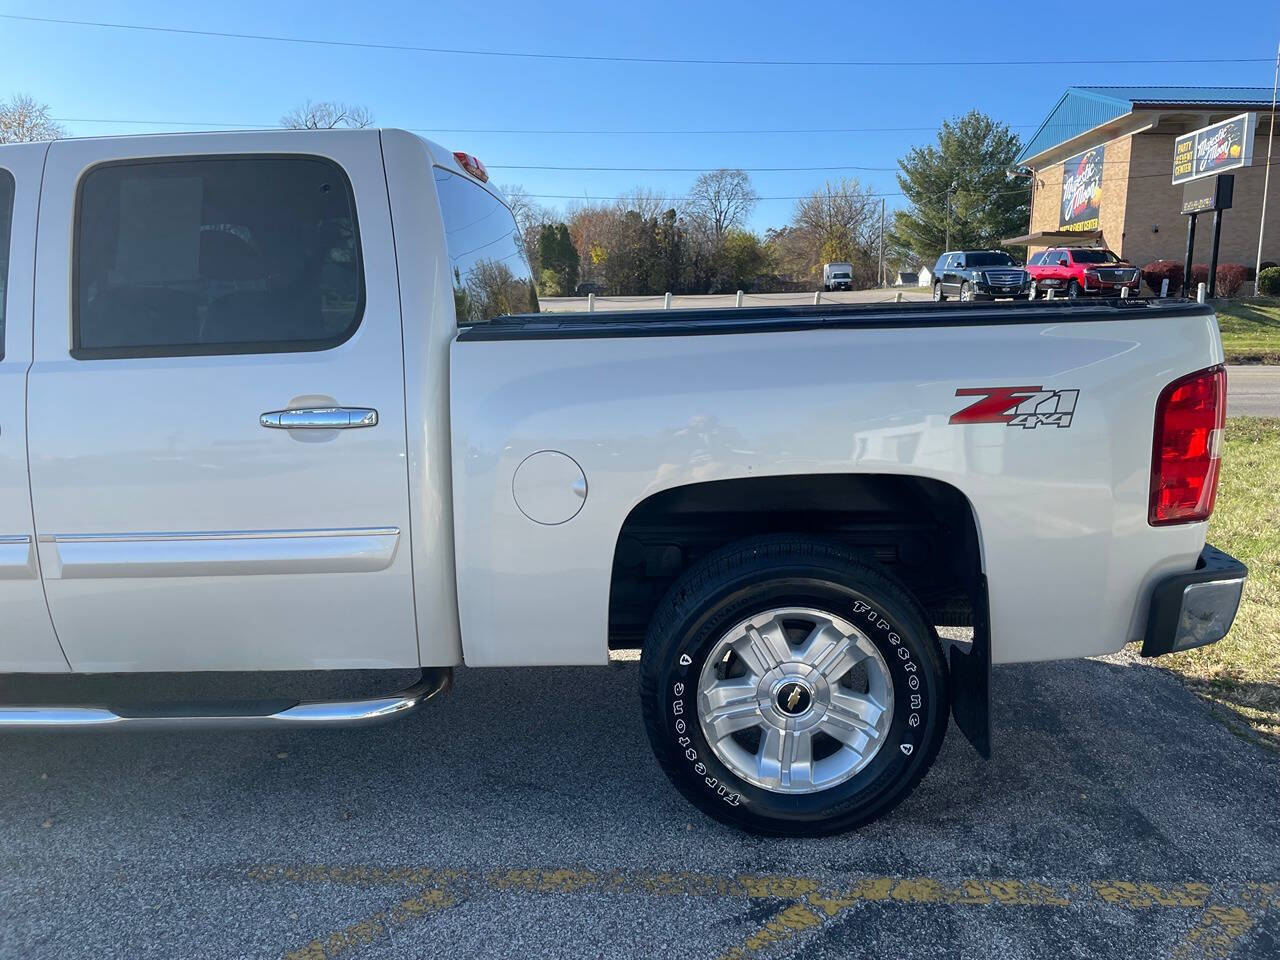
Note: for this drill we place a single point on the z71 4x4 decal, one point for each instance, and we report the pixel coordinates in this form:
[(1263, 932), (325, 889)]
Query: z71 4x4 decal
[(1026, 407)]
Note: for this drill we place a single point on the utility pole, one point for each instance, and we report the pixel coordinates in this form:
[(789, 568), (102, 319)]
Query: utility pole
[(946, 244), (1266, 177), (882, 278)]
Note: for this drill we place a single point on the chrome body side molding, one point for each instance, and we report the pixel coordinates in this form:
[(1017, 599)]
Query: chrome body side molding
[(218, 553), (17, 559)]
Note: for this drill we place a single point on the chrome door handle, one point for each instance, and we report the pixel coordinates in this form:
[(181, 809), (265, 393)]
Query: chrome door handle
[(321, 418)]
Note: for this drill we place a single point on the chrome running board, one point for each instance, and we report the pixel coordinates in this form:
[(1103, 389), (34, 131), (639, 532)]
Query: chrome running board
[(337, 713)]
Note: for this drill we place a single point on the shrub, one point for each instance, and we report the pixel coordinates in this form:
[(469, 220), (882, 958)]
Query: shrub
[(1153, 273), (1269, 281), (1199, 274), (1230, 279)]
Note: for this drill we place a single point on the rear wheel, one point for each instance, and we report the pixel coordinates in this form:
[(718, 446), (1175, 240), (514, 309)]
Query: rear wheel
[(789, 688)]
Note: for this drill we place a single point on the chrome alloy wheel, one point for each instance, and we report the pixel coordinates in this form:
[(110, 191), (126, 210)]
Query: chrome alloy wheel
[(795, 700)]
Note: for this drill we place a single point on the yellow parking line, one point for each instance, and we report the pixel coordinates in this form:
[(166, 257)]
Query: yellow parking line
[(374, 928), (1214, 936), (805, 904)]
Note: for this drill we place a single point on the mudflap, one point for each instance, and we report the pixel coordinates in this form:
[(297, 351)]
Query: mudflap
[(971, 675)]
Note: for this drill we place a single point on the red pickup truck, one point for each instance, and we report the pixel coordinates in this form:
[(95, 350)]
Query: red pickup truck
[(1075, 272)]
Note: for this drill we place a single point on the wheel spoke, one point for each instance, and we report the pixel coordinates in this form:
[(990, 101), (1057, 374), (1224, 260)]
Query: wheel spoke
[(852, 719), (730, 706), (763, 648), (830, 651), (786, 757)]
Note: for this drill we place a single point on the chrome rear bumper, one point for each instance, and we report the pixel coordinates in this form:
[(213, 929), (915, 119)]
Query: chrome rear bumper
[(1194, 609), (336, 713)]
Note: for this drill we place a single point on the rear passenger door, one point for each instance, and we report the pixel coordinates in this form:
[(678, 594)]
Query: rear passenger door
[(217, 405), (27, 641)]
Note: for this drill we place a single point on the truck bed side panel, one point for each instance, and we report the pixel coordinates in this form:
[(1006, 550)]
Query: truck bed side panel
[(1061, 511)]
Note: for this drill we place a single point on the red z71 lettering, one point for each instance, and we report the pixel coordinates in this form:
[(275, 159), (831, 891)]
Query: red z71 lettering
[(1027, 407)]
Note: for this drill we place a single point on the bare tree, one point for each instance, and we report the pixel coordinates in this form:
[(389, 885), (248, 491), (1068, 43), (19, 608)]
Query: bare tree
[(838, 222), (530, 217), (326, 115), (721, 200), (22, 120)]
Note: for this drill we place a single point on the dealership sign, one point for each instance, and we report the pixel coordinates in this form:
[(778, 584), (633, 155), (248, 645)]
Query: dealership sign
[(1214, 149), (1081, 191)]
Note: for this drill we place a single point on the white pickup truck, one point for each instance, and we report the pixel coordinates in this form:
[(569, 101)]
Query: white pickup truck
[(278, 418)]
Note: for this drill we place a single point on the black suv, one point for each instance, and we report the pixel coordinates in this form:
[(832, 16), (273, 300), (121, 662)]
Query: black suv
[(979, 275)]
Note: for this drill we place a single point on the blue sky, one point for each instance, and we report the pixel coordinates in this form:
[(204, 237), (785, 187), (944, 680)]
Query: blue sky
[(116, 75)]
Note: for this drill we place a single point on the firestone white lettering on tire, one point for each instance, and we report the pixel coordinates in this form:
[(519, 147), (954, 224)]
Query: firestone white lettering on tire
[(690, 754), (908, 664)]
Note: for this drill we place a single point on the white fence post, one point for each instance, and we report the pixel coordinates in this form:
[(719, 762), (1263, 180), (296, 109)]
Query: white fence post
[(897, 297), (1050, 297), (817, 297), (1164, 287), (739, 303), (591, 303), (666, 301), (1124, 293), (1199, 293)]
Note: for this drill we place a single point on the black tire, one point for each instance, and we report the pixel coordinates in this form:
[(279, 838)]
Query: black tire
[(1073, 291), (938, 295), (757, 575), (966, 292)]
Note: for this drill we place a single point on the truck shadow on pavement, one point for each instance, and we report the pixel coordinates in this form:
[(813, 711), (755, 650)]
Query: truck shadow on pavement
[(524, 813)]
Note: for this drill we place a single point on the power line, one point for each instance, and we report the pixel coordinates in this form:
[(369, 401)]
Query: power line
[(603, 58), (610, 133)]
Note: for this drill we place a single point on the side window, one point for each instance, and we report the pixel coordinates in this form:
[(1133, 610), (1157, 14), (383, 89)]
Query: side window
[(491, 275), (6, 226), (1035, 259), (215, 255)]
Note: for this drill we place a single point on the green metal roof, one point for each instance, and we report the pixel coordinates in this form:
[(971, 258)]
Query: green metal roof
[(1083, 108)]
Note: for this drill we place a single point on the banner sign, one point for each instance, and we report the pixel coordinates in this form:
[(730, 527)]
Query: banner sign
[(1213, 149), (1081, 191)]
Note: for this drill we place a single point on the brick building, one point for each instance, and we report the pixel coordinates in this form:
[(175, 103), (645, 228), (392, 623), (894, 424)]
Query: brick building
[(1114, 146)]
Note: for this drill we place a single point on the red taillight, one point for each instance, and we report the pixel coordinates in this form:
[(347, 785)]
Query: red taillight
[(1190, 416), (473, 166)]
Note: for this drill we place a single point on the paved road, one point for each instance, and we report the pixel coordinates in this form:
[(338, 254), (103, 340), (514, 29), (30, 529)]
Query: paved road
[(1253, 391), (522, 816)]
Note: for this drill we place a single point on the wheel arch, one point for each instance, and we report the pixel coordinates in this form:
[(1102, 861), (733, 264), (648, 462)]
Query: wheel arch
[(922, 530)]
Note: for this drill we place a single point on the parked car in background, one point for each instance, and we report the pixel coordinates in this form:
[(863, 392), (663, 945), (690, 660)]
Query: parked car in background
[(1076, 271), (979, 275), (588, 287), (837, 276)]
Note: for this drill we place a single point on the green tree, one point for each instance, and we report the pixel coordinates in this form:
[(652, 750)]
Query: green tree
[(965, 171), (558, 256)]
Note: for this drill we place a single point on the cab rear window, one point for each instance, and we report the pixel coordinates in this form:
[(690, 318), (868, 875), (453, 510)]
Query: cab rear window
[(491, 275)]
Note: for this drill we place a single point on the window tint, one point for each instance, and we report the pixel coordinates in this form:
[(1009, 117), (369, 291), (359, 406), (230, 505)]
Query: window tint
[(1095, 256), (989, 258), (215, 255), (491, 275), (1035, 259), (6, 225)]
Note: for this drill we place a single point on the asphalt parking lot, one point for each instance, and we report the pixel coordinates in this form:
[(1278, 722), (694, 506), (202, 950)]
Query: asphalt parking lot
[(522, 815)]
